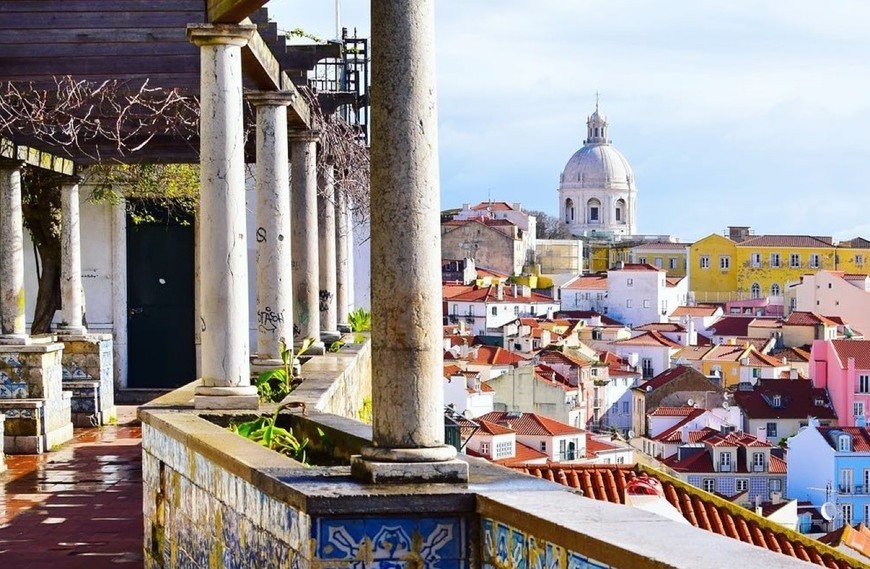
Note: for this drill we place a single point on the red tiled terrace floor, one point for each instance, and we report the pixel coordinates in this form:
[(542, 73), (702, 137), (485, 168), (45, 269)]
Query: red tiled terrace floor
[(77, 507)]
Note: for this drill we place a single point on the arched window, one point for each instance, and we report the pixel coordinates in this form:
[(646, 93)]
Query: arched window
[(569, 210), (774, 290), (593, 211), (619, 212), (755, 291)]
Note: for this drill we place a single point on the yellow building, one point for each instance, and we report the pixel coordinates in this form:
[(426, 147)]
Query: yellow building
[(744, 266), (672, 257)]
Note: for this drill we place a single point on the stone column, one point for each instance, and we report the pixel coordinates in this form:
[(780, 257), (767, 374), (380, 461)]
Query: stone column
[(226, 366), (12, 323), (327, 254), (407, 359), (306, 274), (274, 282), (342, 306), (71, 292), (119, 292)]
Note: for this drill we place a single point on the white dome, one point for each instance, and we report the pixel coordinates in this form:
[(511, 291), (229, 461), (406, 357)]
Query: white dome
[(598, 166)]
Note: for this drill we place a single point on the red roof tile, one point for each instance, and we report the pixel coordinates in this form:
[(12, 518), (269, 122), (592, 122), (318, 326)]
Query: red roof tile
[(858, 349), (637, 267), (695, 311), (673, 411), (493, 355), (650, 338), (701, 509), (594, 446), (662, 245), (530, 423), (490, 294), (489, 428), (797, 318), (669, 375), (493, 206), (787, 241), (860, 437), (731, 326), (522, 455), (797, 400), (661, 327), (593, 282)]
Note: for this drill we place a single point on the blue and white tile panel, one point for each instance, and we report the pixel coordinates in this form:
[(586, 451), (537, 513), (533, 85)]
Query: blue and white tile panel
[(506, 547)]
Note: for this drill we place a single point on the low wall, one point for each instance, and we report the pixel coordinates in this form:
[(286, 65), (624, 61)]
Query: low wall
[(214, 499)]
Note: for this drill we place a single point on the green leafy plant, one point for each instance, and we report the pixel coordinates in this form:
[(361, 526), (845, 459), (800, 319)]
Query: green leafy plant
[(263, 431), (276, 384), (336, 346), (360, 320), (365, 412)]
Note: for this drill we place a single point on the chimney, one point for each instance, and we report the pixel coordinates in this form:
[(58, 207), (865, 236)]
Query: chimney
[(684, 433), (761, 434), (738, 233), (499, 291), (776, 497), (758, 510), (514, 289)]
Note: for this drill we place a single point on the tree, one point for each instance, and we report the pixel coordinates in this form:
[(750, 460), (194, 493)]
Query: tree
[(550, 227)]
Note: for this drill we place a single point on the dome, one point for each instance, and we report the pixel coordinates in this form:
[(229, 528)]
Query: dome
[(598, 166)]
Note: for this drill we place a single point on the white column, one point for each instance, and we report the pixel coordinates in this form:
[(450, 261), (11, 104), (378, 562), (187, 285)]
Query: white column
[(226, 366), (407, 358), (119, 292), (306, 272), (12, 324), (71, 292), (341, 260), (327, 253), (274, 281)]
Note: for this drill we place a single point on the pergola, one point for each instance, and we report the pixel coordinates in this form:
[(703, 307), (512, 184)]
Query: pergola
[(221, 50)]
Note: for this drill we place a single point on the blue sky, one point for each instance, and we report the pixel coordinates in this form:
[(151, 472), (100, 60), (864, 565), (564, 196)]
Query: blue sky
[(731, 113)]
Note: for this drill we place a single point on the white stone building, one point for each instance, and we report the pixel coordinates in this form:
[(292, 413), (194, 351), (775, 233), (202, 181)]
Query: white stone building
[(640, 293), (597, 192), (486, 310)]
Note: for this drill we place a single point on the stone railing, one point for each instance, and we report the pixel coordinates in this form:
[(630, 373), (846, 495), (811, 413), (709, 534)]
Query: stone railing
[(214, 499)]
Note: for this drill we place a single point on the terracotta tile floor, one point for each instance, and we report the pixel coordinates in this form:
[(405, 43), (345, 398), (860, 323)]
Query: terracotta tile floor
[(77, 507)]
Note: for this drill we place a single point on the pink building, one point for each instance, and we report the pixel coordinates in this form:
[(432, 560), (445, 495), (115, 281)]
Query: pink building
[(843, 367)]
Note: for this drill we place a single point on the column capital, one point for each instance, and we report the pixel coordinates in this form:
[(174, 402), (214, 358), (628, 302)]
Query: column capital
[(270, 98), (220, 34), (300, 135)]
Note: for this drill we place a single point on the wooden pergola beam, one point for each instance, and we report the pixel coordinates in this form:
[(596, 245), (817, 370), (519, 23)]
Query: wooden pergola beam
[(35, 157), (231, 11)]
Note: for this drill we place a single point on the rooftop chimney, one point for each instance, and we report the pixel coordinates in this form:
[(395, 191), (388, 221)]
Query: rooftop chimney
[(761, 434), (738, 233)]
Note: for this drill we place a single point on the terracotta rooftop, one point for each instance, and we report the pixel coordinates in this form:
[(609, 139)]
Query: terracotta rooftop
[(785, 399), (663, 245), (481, 220), (490, 294), (489, 428), (661, 327), (855, 538), (530, 423), (663, 411), (493, 206), (651, 338), (637, 267), (592, 282), (493, 355), (485, 272), (797, 318), (695, 311), (701, 509), (673, 281), (669, 375), (594, 446), (557, 357), (587, 315), (858, 349), (731, 326), (523, 454), (787, 241), (860, 437)]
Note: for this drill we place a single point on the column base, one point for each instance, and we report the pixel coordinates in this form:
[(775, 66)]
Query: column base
[(71, 330), (242, 397), (15, 339), (330, 336), (344, 328), (450, 471), (317, 348)]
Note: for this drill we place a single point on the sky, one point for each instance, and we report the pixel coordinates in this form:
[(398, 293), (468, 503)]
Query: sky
[(743, 112)]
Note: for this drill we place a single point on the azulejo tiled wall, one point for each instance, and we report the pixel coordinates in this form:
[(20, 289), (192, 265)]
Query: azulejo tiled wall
[(88, 376), (506, 547), (392, 542)]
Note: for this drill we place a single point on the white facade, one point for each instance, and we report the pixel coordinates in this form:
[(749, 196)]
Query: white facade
[(810, 466), (488, 316), (641, 294), (467, 395), (519, 390), (597, 190), (618, 402)]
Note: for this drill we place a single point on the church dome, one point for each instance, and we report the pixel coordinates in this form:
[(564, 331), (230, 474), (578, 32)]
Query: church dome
[(598, 165)]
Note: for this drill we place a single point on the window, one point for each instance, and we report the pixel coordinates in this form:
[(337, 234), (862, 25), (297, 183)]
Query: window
[(814, 260), (672, 263), (758, 461), (658, 262), (858, 408), (646, 365), (755, 260), (646, 303), (484, 448), (503, 450), (705, 261), (724, 262), (629, 282), (775, 485), (859, 259), (709, 485), (725, 462), (777, 400), (516, 310), (741, 484), (543, 446), (625, 410), (618, 214), (593, 213), (628, 303), (794, 260), (864, 383), (642, 260), (771, 430), (775, 290), (774, 260), (846, 513), (844, 444), (495, 310), (755, 290)]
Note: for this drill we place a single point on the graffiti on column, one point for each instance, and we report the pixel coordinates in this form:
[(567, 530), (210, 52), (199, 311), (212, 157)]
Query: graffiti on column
[(325, 297), (261, 235), (269, 320)]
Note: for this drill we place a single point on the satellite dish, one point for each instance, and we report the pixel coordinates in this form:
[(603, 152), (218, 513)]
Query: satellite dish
[(631, 434), (829, 511), (725, 405), (690, 402)]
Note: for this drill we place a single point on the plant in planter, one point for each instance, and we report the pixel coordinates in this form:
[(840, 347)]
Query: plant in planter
[(263, 431), (276, 384), (360, 320)]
